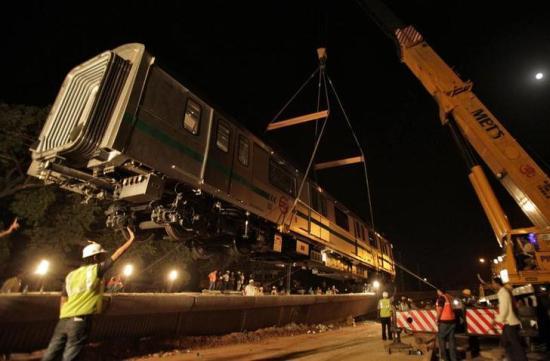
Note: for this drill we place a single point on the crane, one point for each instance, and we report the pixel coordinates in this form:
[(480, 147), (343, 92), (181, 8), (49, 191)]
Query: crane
[(526, 258)]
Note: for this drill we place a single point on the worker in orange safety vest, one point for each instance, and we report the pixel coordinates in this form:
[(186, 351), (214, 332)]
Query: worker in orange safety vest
[(446, 323)]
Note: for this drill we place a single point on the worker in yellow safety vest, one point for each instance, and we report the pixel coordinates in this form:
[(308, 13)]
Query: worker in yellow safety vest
[(385, 311), (81, 298), (446, 324)]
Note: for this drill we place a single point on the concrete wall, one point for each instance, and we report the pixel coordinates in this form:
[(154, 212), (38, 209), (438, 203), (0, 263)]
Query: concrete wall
[(27, 321)]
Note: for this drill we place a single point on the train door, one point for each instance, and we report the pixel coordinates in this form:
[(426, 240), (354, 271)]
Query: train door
[(241, 177), (260, 198), (220, 158)]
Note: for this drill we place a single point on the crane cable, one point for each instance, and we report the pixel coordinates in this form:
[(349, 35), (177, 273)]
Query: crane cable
[(371, 208), (414, 275), (358, 144), (294, 96), (293, 210)]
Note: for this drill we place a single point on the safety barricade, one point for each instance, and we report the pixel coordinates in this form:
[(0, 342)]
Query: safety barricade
[(418, 320), (480, 322)]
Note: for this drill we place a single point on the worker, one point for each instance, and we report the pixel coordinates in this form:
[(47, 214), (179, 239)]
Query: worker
[(12, 284), (384, 312), (81, 298), (526, 254), (403, 304), (225, 281), (507, 315), (13, 227), (250, 289), (446, 324), (468, 299), (212, 280), (115, 284)]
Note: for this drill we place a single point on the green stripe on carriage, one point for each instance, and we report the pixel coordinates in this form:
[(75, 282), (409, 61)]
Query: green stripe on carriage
[(160, 135), (163, 137)]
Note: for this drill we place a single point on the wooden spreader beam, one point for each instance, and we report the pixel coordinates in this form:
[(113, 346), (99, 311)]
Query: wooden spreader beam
[(298, 120), (338, 163)]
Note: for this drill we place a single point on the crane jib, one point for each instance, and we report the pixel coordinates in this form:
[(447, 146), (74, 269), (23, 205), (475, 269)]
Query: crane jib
[(488, 124)]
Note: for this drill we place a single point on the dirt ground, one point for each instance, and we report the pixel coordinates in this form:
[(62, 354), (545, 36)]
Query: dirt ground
[(346, 341), (360, 342)]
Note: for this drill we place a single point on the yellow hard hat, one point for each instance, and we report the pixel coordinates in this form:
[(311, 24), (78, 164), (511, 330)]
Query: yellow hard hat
[(466, 292)]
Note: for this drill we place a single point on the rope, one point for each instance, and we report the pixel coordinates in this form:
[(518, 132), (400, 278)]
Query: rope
[(294, 96), (319, 84), (360, 150), (414, 275)]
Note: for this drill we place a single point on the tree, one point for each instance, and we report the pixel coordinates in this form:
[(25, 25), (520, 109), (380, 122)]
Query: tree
[(19, 129)]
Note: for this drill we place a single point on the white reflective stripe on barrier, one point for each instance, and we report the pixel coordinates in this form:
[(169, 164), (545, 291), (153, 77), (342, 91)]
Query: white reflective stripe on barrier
[(479, 321), (422, 320)]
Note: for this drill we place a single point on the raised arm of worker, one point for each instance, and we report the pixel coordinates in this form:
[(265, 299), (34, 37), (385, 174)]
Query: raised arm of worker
[(14, 225), (120, 251)]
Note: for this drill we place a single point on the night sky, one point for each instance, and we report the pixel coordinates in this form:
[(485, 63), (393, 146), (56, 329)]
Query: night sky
[(247, 58)]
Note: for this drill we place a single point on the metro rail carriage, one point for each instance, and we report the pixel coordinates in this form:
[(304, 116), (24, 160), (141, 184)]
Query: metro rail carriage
[(124, 131)]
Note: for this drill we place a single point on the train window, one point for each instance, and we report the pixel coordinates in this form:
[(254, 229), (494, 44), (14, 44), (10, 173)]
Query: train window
[(372, 240), (314, 195), (222, 137), (318, 202), (323, 204), (341, 218), (281, 178), (243, 150), (192, 118)]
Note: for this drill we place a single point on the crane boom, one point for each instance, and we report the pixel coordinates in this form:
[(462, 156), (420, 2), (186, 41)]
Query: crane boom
[(460, 108), (526, 182)]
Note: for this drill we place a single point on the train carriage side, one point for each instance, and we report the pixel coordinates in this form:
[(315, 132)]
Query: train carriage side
[(170, 129)]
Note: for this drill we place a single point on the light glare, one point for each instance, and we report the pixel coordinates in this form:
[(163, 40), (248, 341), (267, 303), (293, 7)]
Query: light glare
[(128, 270), (173, 275), (42, 268)]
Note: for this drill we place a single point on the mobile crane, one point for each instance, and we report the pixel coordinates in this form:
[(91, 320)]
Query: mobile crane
[(526, 258)]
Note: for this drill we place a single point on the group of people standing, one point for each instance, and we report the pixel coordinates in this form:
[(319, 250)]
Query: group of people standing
[(447, 321), (226, 281), (235, 281)]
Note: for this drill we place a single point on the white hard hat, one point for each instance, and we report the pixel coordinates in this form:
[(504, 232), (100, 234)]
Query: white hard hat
[(92, 249), (385, 294)]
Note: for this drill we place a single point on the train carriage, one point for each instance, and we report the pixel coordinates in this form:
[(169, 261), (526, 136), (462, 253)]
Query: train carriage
[(124, 131)]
